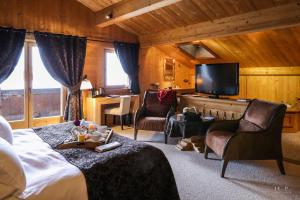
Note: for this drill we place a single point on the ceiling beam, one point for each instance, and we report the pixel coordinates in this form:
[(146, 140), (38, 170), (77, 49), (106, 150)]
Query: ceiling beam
[(272, 18), (128, 9)]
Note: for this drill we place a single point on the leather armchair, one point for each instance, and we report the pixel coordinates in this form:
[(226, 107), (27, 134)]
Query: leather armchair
[(153, 115), (256, 136)]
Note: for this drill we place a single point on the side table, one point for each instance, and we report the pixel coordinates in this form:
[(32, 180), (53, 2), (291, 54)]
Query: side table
[(178, 127)]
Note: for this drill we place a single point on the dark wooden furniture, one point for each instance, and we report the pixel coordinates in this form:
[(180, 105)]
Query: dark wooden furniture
[(256, 136), (231, 109), (153, 114), (178, 126)]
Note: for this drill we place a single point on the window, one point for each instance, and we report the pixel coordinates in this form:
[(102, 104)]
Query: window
[(114, 73), (45, 90), (30, 96), (12, 93)]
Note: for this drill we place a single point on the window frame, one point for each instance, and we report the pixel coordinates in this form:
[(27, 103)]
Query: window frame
[(111, 50)]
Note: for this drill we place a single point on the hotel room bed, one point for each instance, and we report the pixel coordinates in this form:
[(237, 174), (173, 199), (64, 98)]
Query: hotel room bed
[(133, 171)]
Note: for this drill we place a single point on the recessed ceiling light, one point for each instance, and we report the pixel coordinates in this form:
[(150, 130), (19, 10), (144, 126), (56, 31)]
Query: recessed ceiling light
[(109, 16)]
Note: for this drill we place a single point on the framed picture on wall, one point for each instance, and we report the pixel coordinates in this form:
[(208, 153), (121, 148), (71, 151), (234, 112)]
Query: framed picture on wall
[(169, 69)]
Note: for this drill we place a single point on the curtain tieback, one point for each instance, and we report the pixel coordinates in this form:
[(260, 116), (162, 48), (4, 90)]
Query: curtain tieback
[(75, 88)]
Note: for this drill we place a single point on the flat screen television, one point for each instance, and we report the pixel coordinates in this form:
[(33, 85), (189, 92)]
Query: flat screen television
[(217, 79)]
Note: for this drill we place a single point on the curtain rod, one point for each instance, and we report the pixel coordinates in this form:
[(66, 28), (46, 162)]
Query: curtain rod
[(89, 38)]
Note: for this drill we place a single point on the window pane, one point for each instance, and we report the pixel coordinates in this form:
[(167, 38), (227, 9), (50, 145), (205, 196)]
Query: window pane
[(45, 90), (115, 75), (12, 93)]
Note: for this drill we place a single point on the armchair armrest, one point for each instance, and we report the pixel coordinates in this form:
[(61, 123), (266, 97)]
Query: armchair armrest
[(251, 145), (224, 125)]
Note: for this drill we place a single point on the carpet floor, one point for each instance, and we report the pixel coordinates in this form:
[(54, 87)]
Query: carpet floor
[(291, 146), (198, 178)]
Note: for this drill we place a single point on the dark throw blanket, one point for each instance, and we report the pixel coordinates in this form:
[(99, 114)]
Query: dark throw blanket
[(133, 171)]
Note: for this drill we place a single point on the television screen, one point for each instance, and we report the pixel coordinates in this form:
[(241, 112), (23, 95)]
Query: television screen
[(217, 79)]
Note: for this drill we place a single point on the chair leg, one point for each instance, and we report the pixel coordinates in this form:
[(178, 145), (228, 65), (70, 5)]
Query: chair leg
[(280, 166), (121, 120), (128, 120), (135, 133), (166, 138), (206, 148), (105, 119), (224, 166)]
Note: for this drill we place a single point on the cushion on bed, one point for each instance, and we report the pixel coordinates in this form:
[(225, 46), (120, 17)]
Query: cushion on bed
[(11, 170), (5, 130)]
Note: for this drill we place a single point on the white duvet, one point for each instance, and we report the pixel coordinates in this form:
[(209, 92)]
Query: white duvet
[(48, 175)]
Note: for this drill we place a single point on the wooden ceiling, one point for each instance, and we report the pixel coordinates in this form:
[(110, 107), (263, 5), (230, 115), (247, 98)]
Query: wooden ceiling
[(264, 47), (273, 48), (96, 5), (189, 12)]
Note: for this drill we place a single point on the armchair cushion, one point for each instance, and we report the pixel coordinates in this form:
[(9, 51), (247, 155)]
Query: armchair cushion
[(152, 123), (217, 140), (247, 126), (260, 113), (154, 107)]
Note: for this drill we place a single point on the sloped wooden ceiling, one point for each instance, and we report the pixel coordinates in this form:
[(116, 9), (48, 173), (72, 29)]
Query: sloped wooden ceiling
[(187, 12), (273, 48), (266, 48), (96, 5)]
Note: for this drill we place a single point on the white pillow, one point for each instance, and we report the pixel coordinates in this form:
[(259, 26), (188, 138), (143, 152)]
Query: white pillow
[(5, 130), (11, 170)]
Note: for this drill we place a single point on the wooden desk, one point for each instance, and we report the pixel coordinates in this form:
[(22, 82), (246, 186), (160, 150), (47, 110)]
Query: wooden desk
[(96, 106)]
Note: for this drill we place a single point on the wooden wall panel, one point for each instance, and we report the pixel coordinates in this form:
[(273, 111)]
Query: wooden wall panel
[(57, 16), (94, 62), (151, 70), (273, 88)]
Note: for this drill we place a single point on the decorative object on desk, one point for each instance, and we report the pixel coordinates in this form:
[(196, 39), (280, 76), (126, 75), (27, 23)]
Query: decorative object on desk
[(169, 69), (154, 86), (101, 91)]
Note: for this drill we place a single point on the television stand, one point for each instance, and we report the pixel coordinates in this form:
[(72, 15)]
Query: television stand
[(217, 97)]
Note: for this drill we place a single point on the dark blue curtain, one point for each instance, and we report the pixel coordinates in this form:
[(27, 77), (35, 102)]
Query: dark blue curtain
[(63, 57), (11, 44), (128, 54)]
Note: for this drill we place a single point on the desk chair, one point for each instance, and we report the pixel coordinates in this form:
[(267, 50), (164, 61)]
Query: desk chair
[(120, 111)]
